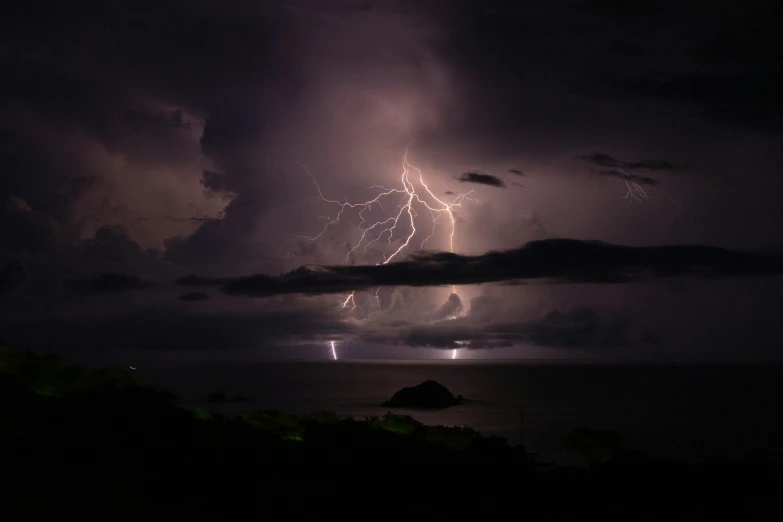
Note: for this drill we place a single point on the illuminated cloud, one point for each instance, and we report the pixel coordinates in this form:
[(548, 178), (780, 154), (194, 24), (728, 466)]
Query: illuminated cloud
[(149, 158), (553, 260)]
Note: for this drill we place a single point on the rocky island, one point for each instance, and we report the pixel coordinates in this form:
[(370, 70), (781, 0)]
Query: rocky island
[(429, 394)]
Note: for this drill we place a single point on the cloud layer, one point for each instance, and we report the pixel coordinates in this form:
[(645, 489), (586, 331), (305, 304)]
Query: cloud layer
[(168, 138), (554, 260), (481, 179)]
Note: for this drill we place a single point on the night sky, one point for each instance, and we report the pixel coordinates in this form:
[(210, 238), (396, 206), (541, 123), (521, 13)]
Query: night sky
[(162, 164)]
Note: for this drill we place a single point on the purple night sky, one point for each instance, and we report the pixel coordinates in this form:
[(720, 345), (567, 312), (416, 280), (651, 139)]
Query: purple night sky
[(162, 164)]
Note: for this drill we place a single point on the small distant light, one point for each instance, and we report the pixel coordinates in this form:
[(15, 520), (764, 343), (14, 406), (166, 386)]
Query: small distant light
[(131, 367)]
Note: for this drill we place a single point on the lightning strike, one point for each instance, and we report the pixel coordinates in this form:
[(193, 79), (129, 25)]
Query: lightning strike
[(635, 192), (454, 350), (414, 193), (385, 229), (333, 351), (349, 299)]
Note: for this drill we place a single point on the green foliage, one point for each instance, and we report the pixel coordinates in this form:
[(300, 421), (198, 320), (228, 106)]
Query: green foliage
[(10, 359), (49, 375), (284, 425), (403, 424), (201, 414), (324, 417), (594, 446), (296, 428), (452, 437)]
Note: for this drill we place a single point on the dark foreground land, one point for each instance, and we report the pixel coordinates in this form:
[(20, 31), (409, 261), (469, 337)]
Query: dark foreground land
[(89, 445)]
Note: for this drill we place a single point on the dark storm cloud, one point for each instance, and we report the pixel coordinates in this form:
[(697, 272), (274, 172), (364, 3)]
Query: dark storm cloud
[(196, 280), (580, 327), (625, 9), (736, 74), (187, 219), (213, 181), (360, 7), (172, 330), (13, 275), (481, 179), (112, 246), (606, 165), (141, 121), (167, 43), (452, 307), (651, 164), (749, 99), (592, 73), (129, 88), (26, 230), (641, 180), (104, 107), (38, 187), (110, 284), (194, 296), (211, 243), (518, 62), (557, 260), (600, 159)]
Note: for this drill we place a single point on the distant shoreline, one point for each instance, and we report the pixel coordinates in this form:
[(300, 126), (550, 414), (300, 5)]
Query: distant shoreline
[(518, 362)]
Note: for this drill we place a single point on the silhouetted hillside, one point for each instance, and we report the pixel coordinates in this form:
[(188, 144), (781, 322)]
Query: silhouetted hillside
[(104, 446)]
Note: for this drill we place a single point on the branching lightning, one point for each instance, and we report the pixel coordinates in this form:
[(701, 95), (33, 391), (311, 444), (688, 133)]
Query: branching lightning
[(414, 194), (635, 192), (377, 231)]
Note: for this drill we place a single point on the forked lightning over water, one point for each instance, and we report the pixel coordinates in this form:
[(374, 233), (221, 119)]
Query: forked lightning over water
[(415, 193)]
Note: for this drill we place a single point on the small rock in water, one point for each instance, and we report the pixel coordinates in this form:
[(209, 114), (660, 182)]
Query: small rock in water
[(429, 394)]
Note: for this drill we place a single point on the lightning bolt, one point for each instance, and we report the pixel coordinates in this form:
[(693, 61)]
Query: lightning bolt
[(635, 192), (414, 194), (333, 351), (454, 351), (349, 299), (386, 228)]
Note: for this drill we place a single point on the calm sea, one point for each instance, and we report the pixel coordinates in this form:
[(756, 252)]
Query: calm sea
[(682, 411)]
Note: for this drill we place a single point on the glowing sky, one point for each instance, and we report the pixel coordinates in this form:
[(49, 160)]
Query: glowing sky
[(156, 140)]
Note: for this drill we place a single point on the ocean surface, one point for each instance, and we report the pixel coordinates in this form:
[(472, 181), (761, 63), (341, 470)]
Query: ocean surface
[(681, 411)]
